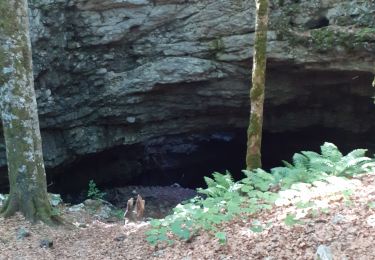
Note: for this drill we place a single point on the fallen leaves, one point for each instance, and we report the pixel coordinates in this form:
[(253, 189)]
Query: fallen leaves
[(346, 228)]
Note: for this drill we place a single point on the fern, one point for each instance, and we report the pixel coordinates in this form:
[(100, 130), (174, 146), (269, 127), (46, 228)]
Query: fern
[(226, 198), (257, 180), (310, 166), (219, 185), (300, 161), (331, 152), (357, 153)]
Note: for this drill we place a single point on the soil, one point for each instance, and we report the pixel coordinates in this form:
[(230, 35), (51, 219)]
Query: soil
[(345, 222)]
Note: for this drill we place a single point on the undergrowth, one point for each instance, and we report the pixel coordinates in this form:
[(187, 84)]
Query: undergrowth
[(223, 199), (94, 192)]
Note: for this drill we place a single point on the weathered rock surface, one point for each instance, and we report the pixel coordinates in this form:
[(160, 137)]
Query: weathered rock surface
[(111, 73)]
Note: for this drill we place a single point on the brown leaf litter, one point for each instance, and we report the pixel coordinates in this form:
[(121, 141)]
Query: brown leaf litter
[(346, 224)]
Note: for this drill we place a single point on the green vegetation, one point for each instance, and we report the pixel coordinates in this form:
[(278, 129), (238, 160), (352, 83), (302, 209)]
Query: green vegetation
[(327, 39), (226, 199), (118, 213), (94, 192), (291, 220)]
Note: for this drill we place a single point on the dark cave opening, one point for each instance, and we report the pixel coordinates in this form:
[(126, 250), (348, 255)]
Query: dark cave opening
[(187, 159), (317, 23)]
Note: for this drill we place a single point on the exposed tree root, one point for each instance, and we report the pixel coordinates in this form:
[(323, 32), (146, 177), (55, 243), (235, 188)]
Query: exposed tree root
[(33, 210)]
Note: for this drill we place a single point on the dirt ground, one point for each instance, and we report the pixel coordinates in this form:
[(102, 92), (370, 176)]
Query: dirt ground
[(346, 225)]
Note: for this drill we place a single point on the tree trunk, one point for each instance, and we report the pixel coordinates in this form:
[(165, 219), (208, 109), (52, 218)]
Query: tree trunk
[(27, 177), (254, 132)]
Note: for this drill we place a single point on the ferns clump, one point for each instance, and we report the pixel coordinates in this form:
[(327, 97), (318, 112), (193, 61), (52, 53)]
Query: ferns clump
[(310, 166), (225, 198)]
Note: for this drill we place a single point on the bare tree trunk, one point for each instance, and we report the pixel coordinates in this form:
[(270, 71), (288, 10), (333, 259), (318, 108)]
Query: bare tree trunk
[(27, 177), (254, 132)]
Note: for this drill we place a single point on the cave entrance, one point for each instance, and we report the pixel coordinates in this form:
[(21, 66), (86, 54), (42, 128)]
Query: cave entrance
[(186, 159)]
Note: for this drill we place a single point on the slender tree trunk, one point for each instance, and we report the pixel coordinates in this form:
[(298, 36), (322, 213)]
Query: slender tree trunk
[(27, 178), (254, 132), (373, 83)]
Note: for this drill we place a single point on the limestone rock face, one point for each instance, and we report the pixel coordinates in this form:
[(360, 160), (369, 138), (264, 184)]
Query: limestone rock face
[(119, 72)]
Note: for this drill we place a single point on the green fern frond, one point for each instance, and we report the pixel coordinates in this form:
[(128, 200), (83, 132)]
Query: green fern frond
[(259, 180), (287, 164), (300, 161), (280, 172), (311, 155), (357, 153), (330, 151), (322, 165), (219, 185), (210, 182), (225, 180), (350, 166)]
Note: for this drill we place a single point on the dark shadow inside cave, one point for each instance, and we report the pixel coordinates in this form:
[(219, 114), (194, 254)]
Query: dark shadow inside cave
[(187, 159)]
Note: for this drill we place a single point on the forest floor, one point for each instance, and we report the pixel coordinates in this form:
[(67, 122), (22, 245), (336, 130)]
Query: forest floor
[(344, 222)]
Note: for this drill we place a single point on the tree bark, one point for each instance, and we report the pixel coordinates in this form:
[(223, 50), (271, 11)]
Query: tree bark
[(27, 177), (254, 132)]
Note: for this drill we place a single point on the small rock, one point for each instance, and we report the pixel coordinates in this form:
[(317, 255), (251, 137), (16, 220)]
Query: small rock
[(282, 202), (323, 253), (120, 238), (76, 208), (131, 119), (82, 225), (101, 71), (176, 185), (105, 212), (371, 220), (158, 253), (337, 219), (55, 199), (22, 233), (46, 243), (92, 204), (3, 197), (289, 194)]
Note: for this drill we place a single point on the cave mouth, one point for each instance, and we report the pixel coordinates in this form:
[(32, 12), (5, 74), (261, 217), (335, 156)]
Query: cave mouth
[(186, 159)]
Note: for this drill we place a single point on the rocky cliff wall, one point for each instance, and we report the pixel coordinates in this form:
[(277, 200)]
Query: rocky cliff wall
[(111, 73)]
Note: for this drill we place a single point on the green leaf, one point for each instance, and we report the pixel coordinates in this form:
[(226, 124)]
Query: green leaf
[(303, 205), (357, 153), (256, 229), (152, 232), (246, 188), (300, 161), (287, 164), (330, 151), (291, 220), (155, 222), (153, 240), (222, 237), (177, 229)]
